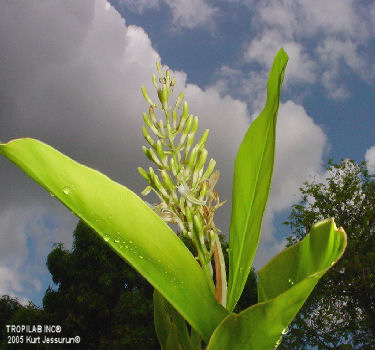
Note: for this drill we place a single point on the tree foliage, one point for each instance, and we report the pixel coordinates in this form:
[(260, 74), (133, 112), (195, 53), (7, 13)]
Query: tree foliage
[(341, 310)]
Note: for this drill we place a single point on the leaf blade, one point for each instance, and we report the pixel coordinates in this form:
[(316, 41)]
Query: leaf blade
[(251, 184), (125, 222), (261, 325)]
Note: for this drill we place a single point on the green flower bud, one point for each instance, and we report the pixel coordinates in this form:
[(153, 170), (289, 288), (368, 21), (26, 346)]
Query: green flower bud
[(154, 81), (168, 76), (148, 122), (192, 159), (202, 160), (147, 97), (147, 136), (178, 101), (156, 182), (152, 114), (154, 157), (146, 191), (203, 191), (195, 125), (159, 150), (173, 81), (144, 174), (158, 67), (174, 119), (203, 138), (167, 180), (209, 170), (163, 95), (174, 167), (185, 109), (189, 143), (186, 131), (146, 152)]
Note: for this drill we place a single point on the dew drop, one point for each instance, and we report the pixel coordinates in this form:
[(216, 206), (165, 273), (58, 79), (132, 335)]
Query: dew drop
[(66, 189), (140, 256), (291, 281), (285, 331), (130, 242), (52, 195), (117, 240), (106, 237)]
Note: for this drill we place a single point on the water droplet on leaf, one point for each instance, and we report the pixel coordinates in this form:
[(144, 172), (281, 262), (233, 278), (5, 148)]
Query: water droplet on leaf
[(285, 330), (66, 189), (106, 237), (291, 281)]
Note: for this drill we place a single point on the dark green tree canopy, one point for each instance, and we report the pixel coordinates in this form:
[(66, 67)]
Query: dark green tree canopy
[(341, 309)]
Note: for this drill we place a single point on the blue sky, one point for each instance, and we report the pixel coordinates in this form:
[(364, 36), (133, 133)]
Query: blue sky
[(70, 75)]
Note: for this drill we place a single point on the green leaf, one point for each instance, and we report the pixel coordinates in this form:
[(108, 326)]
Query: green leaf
[(128, 225), (251, 184), (283, 286), (170, 326)]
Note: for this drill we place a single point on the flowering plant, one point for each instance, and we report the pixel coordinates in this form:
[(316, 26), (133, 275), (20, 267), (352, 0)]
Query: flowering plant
[(184, 281)]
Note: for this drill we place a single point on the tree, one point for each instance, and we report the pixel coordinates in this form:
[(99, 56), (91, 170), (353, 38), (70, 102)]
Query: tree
[(341, 310), (99, 297)]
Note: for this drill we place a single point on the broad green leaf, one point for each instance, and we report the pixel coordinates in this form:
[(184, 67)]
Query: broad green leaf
[(128, 225), (283, 286), (170, 325), (251, 184)]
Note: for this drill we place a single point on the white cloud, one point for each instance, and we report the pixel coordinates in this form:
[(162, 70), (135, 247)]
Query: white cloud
[(192, 13), (324, 40), (140, 6), (185, 13), (370, 159)]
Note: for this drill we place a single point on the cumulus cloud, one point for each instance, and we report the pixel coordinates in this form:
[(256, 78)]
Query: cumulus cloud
[(370, 159), (324, 39), (185, 13)]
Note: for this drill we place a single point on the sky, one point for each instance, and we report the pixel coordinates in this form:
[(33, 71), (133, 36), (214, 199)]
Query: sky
[(71, 72)]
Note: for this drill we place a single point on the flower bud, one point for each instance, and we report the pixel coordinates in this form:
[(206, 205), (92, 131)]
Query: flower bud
[(178, 101), (202, 160), (158, 67), (203, 191), (144, 174), (203, 139), (174, 119), (163, 96), (145, 151), (147, 136), (174, 166), (192, 159), (156, 182), (147, 97), (146, 191), (154, 157), (159, 149), (152, 114), (167, 180), (195, 125), (154, 81), (209, 170)]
